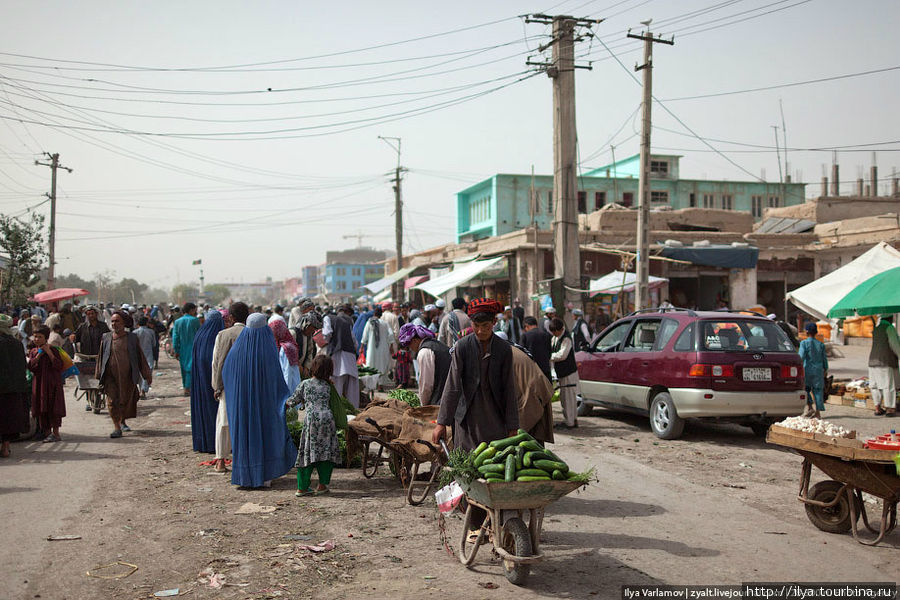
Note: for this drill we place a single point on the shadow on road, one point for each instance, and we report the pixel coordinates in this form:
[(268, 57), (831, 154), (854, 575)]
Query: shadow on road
[(572, 505), (600, 540)]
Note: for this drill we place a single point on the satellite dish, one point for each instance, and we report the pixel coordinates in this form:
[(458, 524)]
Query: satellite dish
[(647, 22)]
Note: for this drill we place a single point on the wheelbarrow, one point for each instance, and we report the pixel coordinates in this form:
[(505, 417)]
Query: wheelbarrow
[(506, 504), (836, 505)]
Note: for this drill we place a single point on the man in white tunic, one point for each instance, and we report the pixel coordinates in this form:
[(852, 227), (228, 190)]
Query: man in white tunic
[(378, 340), (234, 324)]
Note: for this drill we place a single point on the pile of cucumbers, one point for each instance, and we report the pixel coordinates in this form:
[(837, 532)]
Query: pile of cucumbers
[(518, 458)]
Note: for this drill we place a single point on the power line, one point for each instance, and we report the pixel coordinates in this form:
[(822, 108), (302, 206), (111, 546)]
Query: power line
[(785, 85)]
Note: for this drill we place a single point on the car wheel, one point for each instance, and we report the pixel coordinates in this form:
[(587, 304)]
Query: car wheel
[(664, 420), (584, 409)]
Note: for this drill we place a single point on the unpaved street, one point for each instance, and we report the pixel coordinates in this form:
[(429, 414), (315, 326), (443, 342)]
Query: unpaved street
[(715, 507)]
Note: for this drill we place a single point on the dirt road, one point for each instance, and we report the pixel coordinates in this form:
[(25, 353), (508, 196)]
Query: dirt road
[(715, 507)]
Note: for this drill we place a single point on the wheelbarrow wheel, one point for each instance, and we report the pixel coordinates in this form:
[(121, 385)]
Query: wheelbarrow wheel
[(517, 541), (833, 519)]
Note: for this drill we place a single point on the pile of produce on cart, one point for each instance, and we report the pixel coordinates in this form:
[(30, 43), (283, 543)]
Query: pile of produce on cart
[(813, 425), (408, 396), (364, 370), (515, 458)]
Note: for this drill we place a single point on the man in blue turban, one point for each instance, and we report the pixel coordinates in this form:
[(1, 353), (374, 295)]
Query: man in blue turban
[(255, 393)]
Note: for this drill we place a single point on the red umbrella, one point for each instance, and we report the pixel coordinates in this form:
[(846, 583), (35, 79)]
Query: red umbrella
[(60, 294)]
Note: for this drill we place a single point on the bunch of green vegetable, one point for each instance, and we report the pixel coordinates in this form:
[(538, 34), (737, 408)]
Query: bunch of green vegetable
[(460, 466), (364, 370), (520, 458), (407, 396), (897, 462)]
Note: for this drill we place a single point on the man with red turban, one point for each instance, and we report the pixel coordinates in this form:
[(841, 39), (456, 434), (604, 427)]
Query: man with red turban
[(479, 398)]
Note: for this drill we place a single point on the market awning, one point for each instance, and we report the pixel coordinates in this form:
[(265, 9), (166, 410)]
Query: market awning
[(818, 297), (380, 284), (726, 257), (617, 281), (460, 275), (385, 295), (409, 283)]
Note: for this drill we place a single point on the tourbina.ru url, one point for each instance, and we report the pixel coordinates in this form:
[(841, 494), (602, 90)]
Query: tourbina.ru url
[(765, 590)]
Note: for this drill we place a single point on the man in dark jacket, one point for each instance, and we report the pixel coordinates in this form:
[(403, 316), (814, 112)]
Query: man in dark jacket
[(479, 398), (120, 367), (537, 341), (15, 391), (434, 361), (342, 348)]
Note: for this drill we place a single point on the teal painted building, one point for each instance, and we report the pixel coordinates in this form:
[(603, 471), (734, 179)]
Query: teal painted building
[(503, 202)]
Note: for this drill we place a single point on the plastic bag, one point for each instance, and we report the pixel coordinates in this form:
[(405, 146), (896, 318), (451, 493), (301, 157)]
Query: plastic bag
[(448, 497)]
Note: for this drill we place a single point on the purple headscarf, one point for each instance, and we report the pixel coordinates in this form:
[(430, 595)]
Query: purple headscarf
[(410, 331)]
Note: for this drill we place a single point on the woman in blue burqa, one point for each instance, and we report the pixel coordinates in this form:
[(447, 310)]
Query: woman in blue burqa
[(204, 405), (256, 393)]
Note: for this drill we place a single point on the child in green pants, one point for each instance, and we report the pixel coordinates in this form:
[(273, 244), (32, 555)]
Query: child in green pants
[(318, 448)]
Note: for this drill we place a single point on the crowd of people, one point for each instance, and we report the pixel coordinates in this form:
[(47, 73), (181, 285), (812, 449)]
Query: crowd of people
[(242, 367)]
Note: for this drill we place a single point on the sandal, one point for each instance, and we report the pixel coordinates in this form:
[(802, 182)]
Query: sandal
[(116, 434), (301, 493), (320, 492), (879, 410), (51, 438)]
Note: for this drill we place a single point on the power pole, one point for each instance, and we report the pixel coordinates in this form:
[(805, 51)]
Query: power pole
[(54, 165), (561, 69), (642, 289), (397, 291)]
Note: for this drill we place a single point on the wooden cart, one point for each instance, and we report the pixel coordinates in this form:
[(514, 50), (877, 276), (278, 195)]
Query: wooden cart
[(506, 503), (835, 505)]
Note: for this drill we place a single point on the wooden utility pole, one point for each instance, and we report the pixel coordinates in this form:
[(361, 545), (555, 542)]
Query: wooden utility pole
[(54, 165), (397, 288), (566, 250), (642, 284)]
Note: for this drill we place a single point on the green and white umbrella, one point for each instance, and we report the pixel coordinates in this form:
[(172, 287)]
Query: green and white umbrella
[(877, 295)]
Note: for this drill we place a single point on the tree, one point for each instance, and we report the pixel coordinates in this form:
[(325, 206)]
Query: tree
[(23, 242), (216, 293), (129, 290), (184, 292), (74, 281)]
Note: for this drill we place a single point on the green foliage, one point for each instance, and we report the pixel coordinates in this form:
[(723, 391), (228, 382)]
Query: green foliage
[(291, 415), (216, 293), (461, 466), (24, 243), (296, 429), (407, 396), (184, 292)]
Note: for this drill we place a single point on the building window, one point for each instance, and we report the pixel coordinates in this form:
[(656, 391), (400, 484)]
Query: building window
[(692, 201), (727, 202), (480, 210), (659, 168), (582, 203), (341, 272), (774, 201), (341, 285), (708, 201), (356, 271), (599, 200), (550, 202), (756, 206), (659, 198), (627, 199)]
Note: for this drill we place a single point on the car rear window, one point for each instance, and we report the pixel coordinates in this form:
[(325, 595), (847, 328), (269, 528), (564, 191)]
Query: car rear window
[(739, 335)]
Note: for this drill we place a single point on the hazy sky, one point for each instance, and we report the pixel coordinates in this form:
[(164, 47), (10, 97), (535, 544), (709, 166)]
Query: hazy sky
[(245, 133)]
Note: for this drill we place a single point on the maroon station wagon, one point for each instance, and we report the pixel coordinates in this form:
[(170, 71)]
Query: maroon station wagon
[(677, 364)]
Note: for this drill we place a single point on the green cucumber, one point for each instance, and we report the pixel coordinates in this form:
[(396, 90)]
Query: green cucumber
[(494, 480), (551, 465), (510, 472), (485, 469), (531, 478), (520, 456), (558, 475), (531, 446), (510, 441), (525, 433), (485, 454), (502, 454), (478, 450), (532, 473), (530, 457)]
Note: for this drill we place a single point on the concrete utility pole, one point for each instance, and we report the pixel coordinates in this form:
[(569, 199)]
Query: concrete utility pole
[(397, 288), (54, 165), (566, 251), (642, 287)]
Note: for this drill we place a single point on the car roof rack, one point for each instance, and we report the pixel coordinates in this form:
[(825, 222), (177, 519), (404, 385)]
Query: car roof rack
[(690, 312)]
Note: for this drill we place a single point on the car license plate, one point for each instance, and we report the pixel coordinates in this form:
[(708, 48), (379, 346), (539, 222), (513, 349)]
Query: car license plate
[(758, 374)]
